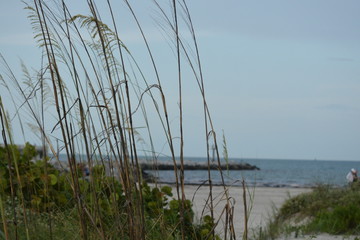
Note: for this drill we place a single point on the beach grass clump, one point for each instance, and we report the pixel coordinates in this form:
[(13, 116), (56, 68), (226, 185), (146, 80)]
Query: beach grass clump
[(327, 209), (64, 225), (93, 102)]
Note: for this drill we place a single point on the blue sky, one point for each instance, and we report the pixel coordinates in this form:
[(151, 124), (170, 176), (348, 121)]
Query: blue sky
[(282, 77)]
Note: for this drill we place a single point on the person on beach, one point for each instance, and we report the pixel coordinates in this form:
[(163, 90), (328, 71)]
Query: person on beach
[(352, 176)]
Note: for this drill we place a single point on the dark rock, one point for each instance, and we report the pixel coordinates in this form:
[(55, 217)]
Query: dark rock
[(199, 166)]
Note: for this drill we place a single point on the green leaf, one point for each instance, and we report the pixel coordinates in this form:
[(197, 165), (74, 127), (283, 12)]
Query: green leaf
[(53, 179), (35, 200), (167, 190)]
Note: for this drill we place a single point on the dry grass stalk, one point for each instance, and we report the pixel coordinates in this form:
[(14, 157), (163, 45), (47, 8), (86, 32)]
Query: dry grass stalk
[(93, 98)]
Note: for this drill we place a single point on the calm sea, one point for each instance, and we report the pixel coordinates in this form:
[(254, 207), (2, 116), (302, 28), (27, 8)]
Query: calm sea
[(273, 173)]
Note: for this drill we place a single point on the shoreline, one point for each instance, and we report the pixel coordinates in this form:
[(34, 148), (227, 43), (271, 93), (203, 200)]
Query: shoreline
[(238, 185), (261, 200), (275, 173)]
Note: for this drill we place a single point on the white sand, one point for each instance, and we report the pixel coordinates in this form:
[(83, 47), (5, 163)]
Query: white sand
[(262, 199)]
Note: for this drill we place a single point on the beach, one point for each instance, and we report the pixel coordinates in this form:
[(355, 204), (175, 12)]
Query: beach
[(261, 200)]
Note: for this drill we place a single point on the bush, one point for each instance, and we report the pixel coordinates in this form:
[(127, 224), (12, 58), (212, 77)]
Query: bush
[(49, 197), (35, 181)]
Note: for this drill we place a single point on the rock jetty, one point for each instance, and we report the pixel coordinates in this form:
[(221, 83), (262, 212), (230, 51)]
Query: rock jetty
[(198, 166), (168, 165)]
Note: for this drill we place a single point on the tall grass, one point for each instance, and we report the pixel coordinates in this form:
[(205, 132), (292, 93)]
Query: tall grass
[(93, 98)]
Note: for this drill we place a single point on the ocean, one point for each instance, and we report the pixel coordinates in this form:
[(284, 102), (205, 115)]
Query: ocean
[(272, 173)]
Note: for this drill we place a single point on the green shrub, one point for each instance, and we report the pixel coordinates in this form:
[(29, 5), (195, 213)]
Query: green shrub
[(34, 180), (49, 197)]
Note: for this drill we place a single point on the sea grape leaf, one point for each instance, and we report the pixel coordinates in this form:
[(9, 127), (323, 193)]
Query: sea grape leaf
[(53, 179)]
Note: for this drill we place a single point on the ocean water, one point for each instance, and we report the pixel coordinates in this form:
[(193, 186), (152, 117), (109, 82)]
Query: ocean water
[(272, 173)]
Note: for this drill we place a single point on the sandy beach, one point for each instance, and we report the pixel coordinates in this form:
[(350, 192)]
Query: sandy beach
[(263, 201)]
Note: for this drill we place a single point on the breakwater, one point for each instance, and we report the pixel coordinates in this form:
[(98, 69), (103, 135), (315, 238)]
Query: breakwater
[(198, 166)]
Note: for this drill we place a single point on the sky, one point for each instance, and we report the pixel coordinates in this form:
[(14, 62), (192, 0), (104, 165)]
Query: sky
[(282, 78)]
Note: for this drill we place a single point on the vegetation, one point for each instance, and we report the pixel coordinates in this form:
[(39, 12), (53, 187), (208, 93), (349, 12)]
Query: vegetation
[(48, 199), (91, 98), (324, 210)]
